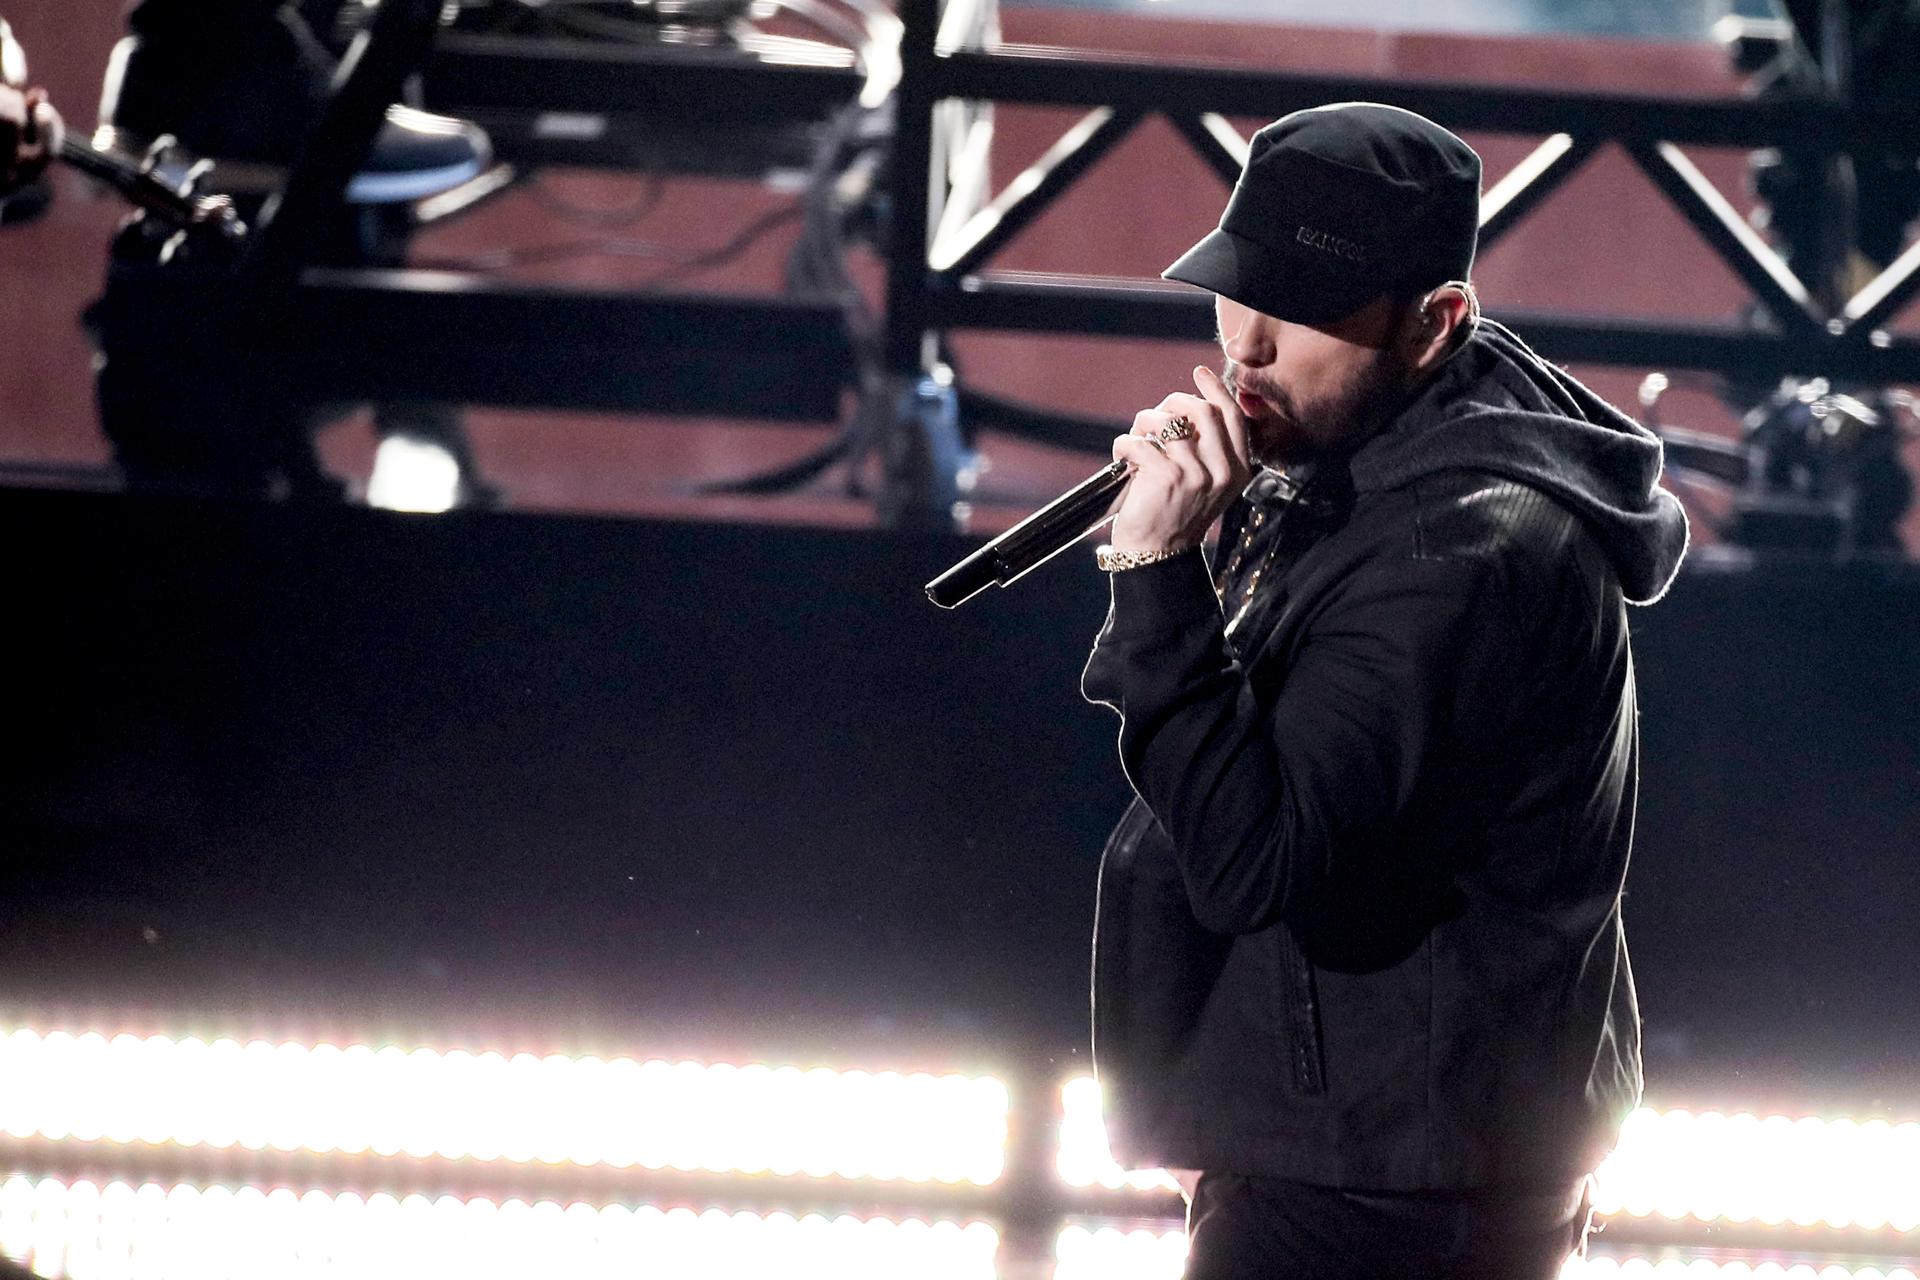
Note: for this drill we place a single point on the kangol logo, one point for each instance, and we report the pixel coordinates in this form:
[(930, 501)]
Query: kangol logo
[(1327, 242)]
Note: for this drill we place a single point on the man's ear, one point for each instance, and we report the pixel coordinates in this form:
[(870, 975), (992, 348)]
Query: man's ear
[(1442, 312)]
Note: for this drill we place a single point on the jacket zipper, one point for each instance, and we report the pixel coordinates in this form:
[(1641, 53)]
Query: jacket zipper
[(1301, 1019), (1300, 1015)]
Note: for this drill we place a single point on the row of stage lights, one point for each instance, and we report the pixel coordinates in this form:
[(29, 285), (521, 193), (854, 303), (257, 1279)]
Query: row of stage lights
[(1672, 1164), (854, 1126), (1109, 1253), (519, 1108), (819, 1123), (151, 1232)]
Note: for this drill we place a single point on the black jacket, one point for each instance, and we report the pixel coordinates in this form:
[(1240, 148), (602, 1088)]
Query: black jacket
[(1361, 926)]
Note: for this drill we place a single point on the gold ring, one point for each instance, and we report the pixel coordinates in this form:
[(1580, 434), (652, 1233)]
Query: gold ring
[(1179, 429)]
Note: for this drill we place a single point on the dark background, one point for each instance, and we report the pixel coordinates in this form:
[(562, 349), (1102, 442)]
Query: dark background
[(732, 791)]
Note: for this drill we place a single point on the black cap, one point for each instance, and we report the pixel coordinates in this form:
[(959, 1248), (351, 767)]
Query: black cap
[(1338, 205)]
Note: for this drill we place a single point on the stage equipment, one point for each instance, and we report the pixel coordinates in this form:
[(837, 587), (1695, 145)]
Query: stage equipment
[(660, 86), (901, 162), (1035, 540), (216, 365), (1817, 468), (164, 185), (941, 276)]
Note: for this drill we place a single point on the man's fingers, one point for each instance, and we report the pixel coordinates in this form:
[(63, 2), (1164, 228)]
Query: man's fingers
[(1148, 425), (1173, 463), (1143, 453), (1214, 388), (52, 128), (1209, 443)]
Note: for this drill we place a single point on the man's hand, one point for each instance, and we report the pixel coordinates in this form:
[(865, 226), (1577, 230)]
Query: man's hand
[(1180, 487), (29, 135)]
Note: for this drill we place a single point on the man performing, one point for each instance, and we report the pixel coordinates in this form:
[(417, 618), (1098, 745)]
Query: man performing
[(1359, 971)]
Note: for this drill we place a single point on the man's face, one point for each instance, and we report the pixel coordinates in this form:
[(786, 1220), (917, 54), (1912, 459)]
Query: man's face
[(1307, 390)]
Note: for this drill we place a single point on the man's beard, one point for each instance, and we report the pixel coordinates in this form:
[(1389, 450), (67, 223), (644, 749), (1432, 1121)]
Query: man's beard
[(1293, 436)]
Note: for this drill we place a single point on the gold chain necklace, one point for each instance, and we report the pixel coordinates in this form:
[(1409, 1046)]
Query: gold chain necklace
[(1287, 490)]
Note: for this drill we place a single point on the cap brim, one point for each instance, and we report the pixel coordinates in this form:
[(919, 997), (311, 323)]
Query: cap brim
[(1275, 284)]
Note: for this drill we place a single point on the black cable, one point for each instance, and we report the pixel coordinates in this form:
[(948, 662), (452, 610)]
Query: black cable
[(1072, 431), (782, 479), (680, 267), (742, 240), (620, 216), (817, 265), (1075, 433), (506, 259)]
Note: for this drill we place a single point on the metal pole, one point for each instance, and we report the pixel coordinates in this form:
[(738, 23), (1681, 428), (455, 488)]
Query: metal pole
[(911, 171), (370, 76), (922, 453), (1839, 219)]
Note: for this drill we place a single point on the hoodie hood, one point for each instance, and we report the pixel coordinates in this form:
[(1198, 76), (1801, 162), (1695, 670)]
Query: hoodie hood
[(1499, 408)]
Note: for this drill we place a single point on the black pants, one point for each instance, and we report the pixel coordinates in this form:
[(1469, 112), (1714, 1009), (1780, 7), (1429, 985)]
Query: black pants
[(1256, 1228)]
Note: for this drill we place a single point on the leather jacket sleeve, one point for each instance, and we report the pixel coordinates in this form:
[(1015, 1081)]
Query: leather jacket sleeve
[(1263, 803)]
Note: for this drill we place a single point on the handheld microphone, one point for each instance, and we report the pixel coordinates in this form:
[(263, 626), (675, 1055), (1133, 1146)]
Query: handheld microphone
[(1035, 540)]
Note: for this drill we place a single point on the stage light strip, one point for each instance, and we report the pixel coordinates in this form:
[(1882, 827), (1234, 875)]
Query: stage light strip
[(555, 1110), (1710, 1167), (1685, 1268), (1084, 1160), (153, 1232), (1110, 1253), (1741, 1168)]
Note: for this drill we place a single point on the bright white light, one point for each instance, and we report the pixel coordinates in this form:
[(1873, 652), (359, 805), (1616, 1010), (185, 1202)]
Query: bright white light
[(1708, 1167), (1108, 1253), (1084, 1159), (1690, 1268), (1742, 1168), (556, 1110), (218, 1233), (410, 474)]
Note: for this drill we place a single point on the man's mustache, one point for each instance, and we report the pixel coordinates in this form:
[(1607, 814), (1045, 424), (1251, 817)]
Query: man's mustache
[(1237, 381)]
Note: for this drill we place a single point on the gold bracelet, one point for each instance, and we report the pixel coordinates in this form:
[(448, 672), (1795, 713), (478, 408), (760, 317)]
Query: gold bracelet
[(1116, 561)]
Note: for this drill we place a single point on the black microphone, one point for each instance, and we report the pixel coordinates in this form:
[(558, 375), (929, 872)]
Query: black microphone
[(1035, 540)]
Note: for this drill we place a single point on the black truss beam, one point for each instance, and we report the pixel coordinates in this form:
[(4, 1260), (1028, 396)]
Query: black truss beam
[(1735, 242), (466, 73), (1544, 171), (638, 144), (1651, 128), (1215, 140), (536, 345), (1066, 77), (1105, 306), (1713, 347), (1888, 293), (347, 334), (1121, 307), (911, 190), (1028, 194)]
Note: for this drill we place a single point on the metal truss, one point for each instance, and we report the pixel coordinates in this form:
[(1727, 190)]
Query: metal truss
[(941, 277), (274, 317), (395, 334)]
